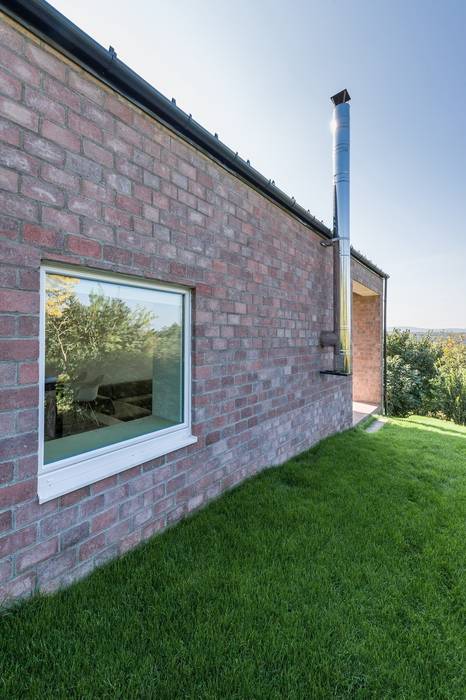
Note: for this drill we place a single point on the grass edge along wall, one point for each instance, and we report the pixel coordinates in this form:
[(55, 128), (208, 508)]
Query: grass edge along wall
[(91, 182)]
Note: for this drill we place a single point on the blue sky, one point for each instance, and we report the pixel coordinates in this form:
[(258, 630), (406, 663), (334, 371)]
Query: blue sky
[(260, 73)]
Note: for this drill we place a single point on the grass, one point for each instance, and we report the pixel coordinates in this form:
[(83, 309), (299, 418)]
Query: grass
[(340, 574)]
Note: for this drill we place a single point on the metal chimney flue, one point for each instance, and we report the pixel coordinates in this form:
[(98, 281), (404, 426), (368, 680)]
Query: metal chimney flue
[(340, 338)]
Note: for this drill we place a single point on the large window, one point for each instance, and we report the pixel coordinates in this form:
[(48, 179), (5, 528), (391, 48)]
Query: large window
[(115, 376)]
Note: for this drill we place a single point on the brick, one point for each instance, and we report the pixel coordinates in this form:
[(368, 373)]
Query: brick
[(11, 38), (128, 134), (60, 219), (18, 160), (70, 499), (59, 177), (39, 553), (20, 587), (29, 279), (7, 373), (130, 204), (18, 445), (42, 192), (19, 67), (6, 468), (61, 135), (41, 103), (6, 520), (119, 183), (17, 540), (12, 300), (28, 326), (97, 192), (85, 127), (97, 153), (116, 255), (99, 116), (116, 217), (62, 94), (83, 166), (19, 114), (26, 467), (52, 568), (19, 349), (91, 547), (44, 149), (119, 108), (58, 522), (86, 87), (10, 86), (9, 133), (31, 512), (45, 60), (104, 520), (83, 246), (99, 231), (27, 421), (28, 372), (8, 180), (9, 228), (86, 207), (76, 534), (7, 423)]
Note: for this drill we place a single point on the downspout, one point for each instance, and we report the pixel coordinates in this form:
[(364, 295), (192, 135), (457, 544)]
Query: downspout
[(340, 337), (385, 409)]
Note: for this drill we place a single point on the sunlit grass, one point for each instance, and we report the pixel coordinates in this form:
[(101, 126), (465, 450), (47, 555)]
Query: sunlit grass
[(340, 574)]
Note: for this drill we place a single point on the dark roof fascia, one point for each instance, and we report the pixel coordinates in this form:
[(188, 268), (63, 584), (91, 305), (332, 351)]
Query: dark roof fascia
[(53, 27)]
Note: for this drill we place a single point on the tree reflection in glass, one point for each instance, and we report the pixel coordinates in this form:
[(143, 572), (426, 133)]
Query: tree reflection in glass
[(114, 363)]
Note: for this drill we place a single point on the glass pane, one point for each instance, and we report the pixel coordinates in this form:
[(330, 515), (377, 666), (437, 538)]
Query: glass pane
[(113, 363)]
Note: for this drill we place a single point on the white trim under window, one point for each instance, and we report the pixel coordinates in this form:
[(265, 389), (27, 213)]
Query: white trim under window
[(67, 474)]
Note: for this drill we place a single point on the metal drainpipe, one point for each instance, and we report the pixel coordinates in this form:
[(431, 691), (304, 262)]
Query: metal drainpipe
[(340, 338), (385, 346)]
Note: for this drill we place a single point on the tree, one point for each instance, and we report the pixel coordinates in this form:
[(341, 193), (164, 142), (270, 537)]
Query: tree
[(450, 384)]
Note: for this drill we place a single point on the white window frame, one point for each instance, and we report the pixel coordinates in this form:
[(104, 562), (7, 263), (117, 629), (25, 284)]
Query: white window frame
[(66, 475)]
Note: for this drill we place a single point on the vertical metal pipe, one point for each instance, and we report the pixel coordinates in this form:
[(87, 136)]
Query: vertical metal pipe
[(341, 231)]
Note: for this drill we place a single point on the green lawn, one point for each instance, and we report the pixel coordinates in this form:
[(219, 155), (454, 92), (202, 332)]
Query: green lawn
[(340, 574)]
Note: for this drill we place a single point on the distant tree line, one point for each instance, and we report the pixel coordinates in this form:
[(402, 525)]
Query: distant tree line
[(426, 376)]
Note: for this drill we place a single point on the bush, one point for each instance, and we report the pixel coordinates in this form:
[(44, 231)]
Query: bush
[(426, 377), (450, 383)]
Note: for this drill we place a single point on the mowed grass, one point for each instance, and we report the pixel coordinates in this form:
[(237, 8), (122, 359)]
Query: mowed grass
[(340, 574)]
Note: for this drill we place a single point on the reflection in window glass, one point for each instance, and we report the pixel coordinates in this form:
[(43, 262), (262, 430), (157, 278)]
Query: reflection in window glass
[(113, 363)]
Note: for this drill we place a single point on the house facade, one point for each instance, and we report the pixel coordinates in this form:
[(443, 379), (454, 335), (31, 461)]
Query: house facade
[(161, 306)]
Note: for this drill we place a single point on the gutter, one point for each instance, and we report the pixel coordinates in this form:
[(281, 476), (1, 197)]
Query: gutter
[(55, 29)]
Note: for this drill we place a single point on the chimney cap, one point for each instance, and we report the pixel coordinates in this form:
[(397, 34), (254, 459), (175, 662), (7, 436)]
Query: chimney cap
[(341, 97)]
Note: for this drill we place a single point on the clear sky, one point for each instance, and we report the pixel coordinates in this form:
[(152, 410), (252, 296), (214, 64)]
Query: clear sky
[(260, 73)]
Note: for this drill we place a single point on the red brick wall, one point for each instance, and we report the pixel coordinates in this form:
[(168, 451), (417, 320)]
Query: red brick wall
[(367, 349), (87, 178)]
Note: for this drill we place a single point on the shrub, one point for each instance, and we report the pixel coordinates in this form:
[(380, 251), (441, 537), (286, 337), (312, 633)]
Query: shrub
[(450, 383), (403, 387)]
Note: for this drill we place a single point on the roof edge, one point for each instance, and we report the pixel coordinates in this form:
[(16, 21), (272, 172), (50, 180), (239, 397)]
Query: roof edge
[(54, 28)]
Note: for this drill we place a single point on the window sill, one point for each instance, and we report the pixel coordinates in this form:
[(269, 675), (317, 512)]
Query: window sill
[(59, 480)]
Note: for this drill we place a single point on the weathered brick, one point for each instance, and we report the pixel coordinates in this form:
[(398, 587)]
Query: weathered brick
[(44, 149), (45, 60), (58, 522), (19, 114), (9, 133), (92, 546), (12, 300), (28, 372), (19, 67), (40, 552), (37, 189), (60, 219), (19, 349), (86, 87), (18, 160), (8, 180), (59, 177), (76, 534), (85, 127), (41, 103), (84, 166), (10, 86), (17, 540), (61, 135), (84, 206), (6, 520), (97, 153), (18, 445), (83, 246), (57, 91)]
